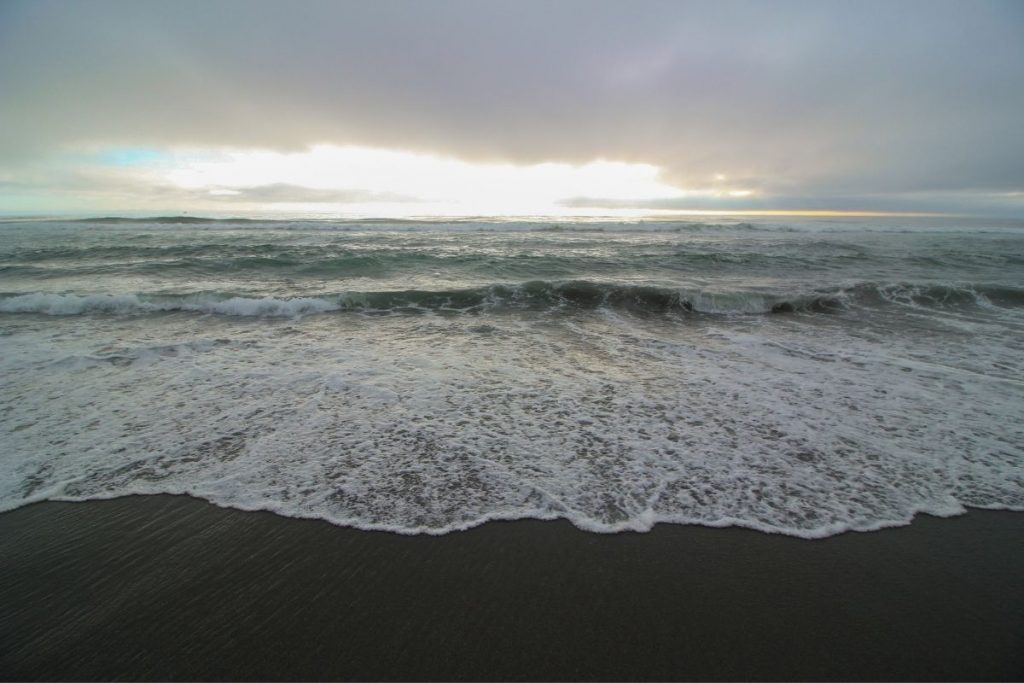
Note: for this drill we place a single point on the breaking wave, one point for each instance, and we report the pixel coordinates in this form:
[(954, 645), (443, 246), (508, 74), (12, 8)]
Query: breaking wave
[(535, 295)]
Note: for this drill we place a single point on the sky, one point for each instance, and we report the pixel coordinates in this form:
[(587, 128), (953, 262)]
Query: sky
[(517, 107)]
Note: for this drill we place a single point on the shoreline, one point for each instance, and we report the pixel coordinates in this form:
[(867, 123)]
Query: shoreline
[(174, 588)]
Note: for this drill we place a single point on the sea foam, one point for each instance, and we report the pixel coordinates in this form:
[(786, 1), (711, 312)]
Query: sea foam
[(430, 425)]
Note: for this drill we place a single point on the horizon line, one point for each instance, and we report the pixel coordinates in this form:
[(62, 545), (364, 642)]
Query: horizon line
[(655, 214)]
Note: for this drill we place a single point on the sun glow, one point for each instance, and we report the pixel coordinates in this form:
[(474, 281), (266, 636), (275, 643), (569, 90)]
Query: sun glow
[(403, 182)]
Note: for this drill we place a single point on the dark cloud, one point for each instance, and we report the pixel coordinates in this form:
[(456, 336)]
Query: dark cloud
[(800, 99), (1007, 204)]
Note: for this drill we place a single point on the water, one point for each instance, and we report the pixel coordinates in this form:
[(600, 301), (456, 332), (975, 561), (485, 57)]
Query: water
[(804, 377)]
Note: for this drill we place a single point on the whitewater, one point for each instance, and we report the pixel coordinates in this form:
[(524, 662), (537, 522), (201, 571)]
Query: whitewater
[(807, 377)]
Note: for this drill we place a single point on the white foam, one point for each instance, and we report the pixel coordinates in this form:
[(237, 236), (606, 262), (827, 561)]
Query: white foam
[(729, 303), (266, 306), (423, 425)]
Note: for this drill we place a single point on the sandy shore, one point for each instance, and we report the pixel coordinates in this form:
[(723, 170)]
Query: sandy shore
[(173, 588)]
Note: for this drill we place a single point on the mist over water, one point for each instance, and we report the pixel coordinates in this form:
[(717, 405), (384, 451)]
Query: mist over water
[(804, 377)]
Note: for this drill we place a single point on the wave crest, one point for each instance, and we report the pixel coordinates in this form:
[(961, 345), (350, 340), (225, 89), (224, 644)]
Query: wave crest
[(535, 295), (133, 304)]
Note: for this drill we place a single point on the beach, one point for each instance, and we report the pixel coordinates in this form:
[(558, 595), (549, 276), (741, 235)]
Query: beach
[(173, 588), (460, 341)]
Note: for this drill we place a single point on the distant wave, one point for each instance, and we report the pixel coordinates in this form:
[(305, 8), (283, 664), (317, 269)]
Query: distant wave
[(467, 224), (537, 295), (379, 261), (611, 224)]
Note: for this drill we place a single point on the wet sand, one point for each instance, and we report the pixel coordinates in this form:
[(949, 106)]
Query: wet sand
[(172, 588)]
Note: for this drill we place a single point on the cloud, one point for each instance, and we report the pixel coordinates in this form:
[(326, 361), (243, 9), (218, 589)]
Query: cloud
[(283, 193), (800, 99), (100, 189), (1008, 204)]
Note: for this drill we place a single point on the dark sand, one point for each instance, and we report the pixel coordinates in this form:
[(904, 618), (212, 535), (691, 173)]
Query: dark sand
[(171, 588)]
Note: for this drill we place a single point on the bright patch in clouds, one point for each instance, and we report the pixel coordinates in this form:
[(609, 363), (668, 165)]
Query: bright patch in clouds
[(408, 183), (329, 180)]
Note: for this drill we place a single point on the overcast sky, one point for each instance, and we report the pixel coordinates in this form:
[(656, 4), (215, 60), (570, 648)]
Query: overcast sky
[(892, 106)]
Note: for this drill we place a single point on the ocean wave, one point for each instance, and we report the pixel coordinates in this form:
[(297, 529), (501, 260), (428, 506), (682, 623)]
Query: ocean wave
[(543, 225), (945, 225), (536, 295), (469, 224), (938, 295), (336, 262), (136, 304)]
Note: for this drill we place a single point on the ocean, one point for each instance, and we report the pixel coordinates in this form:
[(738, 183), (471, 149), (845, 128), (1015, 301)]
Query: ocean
[(803, 376)]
